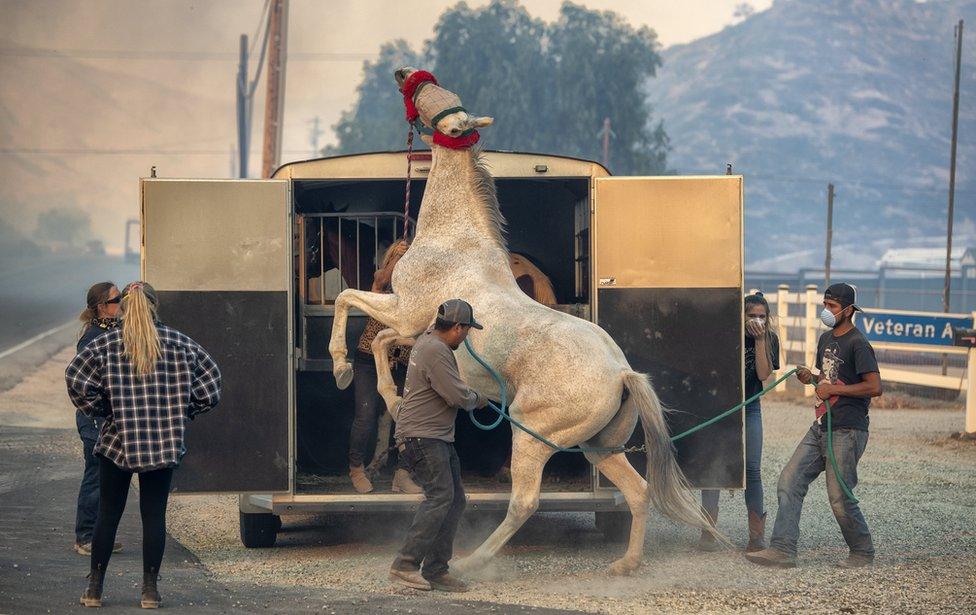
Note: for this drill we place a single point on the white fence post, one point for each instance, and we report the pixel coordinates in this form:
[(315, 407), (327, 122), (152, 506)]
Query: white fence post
[(971, 388), (810, 325), (782, 313)]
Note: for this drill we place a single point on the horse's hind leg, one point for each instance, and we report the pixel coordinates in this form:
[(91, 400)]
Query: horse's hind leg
[(387, 389), (384, 377), (634, 488), (529, 457)]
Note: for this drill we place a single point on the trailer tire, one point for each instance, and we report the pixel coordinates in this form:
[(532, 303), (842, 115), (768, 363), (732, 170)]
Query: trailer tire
[(614, 524), (259, 530)]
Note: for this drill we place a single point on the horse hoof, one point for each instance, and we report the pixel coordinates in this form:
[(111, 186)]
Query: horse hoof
[(466, 565), (343, 375), (623, 567)]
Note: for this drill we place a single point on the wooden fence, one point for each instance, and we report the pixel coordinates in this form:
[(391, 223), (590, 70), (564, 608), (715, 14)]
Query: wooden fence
[(798, 322)]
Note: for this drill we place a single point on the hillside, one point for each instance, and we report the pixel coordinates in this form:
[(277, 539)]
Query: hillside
[(857, 92)]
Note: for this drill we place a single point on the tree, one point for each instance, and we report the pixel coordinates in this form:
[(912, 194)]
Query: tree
[(601, 65), (743, 11), (372, 124), (548, 86)]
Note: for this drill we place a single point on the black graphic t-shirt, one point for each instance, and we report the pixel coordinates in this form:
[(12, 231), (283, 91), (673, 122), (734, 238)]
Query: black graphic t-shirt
[(753, 383), (847, 358)]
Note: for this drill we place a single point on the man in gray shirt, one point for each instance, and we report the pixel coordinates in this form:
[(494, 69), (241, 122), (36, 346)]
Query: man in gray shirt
[(425, 438)]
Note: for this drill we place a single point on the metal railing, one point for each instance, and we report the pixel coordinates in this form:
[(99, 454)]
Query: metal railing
[(325, 247)]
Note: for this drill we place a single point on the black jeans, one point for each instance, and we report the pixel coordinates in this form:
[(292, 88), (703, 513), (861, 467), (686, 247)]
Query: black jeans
[(430, 540), (113, 491), (87, 511), (369, 406)]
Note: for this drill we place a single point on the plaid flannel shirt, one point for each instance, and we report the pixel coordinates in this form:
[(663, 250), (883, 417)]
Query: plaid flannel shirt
[(144, 417)]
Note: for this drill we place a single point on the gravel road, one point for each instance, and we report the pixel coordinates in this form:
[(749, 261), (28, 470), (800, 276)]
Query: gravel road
[(918, 492)]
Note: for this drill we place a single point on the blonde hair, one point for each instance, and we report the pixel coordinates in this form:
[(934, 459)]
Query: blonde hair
[(388, 255), (140, 339)]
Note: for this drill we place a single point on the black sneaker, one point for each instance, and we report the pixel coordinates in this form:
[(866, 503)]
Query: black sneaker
[(150, 593), (93, 593)]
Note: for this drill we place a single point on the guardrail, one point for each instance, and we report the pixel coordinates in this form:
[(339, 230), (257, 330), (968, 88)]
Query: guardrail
[(920, 335)]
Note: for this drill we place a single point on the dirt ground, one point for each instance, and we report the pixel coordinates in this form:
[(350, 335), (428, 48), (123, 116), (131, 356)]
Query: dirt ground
[(917, 489)]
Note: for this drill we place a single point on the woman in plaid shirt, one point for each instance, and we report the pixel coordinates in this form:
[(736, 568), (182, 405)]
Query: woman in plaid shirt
[(147, 380)]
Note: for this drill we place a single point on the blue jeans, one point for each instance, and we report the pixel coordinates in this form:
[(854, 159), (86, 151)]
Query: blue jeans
[(754, 488), (808, 461), (430, 539), (87, 512)]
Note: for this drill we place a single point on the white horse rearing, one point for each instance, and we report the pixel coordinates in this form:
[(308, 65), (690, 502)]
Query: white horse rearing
[(568, 379)]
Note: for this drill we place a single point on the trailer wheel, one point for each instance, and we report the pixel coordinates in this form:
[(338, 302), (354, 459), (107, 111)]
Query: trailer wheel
[(259, 530), (615, 525)]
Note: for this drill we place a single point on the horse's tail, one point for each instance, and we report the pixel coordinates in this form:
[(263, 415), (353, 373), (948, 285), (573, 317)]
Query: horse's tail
[(667, 486)]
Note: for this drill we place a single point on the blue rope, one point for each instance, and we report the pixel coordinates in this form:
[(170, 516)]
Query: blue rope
[(503, 415)]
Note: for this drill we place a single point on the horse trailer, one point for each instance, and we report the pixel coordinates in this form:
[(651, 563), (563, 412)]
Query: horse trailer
[(251, 268)]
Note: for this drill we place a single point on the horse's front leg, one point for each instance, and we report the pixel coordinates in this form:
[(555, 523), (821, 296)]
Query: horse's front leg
[(381, 306), (387, 388)]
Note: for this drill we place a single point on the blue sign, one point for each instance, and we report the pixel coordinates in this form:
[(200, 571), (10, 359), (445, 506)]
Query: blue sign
[(910, 327)]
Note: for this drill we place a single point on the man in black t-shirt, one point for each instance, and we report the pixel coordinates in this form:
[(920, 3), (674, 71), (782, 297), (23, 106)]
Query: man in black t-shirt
[(849, 378)]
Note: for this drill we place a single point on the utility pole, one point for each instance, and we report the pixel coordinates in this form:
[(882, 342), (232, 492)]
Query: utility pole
[(606, 133), (952, 171), (242, 110), (313, 136), (830, 232), (274, 105)]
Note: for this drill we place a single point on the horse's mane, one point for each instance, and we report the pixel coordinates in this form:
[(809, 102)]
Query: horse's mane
[(484, 189)]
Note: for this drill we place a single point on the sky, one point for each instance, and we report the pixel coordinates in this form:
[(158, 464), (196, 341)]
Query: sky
[(94, 84)]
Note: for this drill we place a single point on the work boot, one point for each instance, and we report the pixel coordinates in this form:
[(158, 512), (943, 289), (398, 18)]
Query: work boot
[(409, 578), (360, 481), (773, 558), (448, 583), (403, 483), (856, 560), (707, 542), (757, 532), (150, 593), (84, 548), (93, 594)]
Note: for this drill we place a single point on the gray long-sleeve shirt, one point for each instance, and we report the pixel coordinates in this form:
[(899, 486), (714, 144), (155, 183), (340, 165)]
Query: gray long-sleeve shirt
[(433, 392)]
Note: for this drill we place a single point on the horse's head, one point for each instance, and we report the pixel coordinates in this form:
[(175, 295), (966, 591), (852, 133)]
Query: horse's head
[(437, 108)]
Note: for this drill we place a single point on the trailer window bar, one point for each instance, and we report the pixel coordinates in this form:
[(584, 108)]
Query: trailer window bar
[(380, 231)]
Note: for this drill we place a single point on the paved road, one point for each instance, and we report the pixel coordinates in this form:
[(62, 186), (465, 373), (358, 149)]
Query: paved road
[(40, 573), (42, 293)]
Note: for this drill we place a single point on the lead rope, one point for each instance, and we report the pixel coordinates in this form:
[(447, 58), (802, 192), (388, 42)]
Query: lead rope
[(406, 198)]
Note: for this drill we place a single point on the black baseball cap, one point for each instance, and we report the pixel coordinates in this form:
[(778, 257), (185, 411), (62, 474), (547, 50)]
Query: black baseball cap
[(459, 312), (842, 293)]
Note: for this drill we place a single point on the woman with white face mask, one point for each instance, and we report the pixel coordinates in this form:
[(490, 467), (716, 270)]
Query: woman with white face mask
[(761, 359)]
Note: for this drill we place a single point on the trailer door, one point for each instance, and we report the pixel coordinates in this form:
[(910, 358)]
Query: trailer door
[(219, 253), (668, 288)]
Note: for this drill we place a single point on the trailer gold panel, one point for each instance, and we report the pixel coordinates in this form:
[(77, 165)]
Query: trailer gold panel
[(219, 253), (668, 277)]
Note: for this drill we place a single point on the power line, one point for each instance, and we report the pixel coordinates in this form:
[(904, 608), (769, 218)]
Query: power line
[(177, 56), (261, 21)]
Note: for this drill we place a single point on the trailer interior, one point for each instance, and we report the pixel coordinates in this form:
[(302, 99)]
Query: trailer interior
[(343, 228)]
